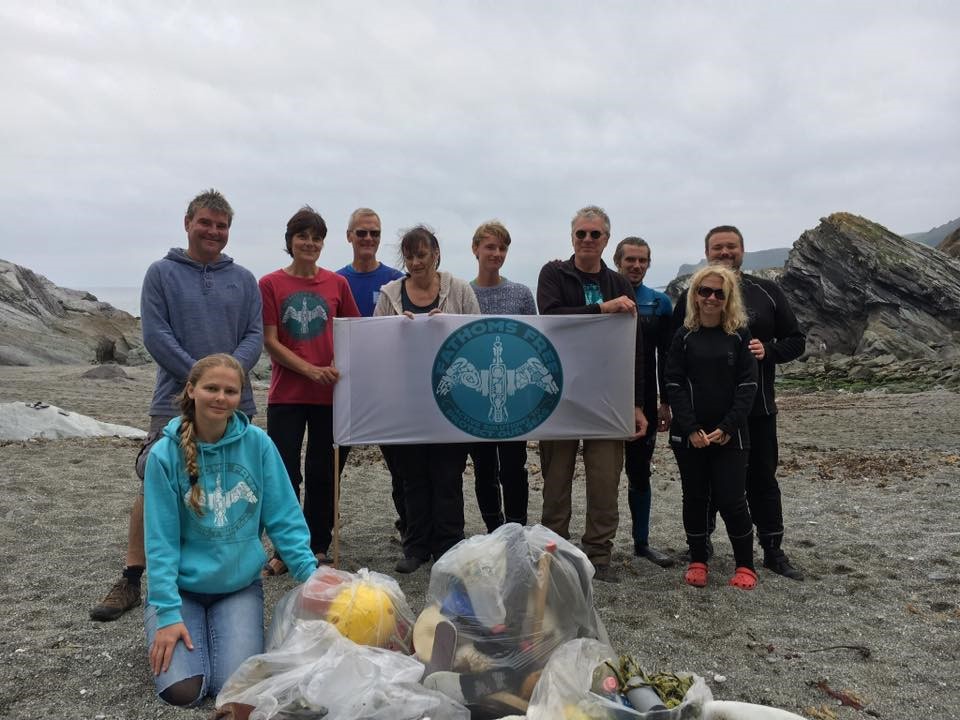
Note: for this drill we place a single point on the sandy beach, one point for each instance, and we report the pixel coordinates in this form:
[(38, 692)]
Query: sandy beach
[(871, 486)]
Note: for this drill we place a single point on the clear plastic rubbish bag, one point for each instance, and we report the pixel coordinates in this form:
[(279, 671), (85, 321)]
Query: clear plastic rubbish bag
[(572, 688), (366, 607), (497, 607), (318, 673)]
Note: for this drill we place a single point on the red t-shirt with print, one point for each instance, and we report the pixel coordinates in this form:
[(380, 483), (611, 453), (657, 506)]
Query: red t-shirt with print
[(302, 310)]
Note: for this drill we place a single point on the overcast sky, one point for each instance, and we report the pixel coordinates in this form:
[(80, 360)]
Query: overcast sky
[(673, 116)]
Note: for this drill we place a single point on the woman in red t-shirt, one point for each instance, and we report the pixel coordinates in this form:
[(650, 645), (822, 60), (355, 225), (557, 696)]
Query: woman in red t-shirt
[(299, 304)]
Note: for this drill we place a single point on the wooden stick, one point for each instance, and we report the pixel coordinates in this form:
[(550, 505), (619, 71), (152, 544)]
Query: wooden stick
[(540, 596), (336, 506)]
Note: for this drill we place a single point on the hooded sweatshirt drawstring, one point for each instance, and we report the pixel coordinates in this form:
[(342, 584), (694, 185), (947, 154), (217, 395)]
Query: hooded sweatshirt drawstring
[(207, 280)]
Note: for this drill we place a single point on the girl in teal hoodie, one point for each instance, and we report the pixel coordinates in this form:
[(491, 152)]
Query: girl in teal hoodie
[(213, 484)]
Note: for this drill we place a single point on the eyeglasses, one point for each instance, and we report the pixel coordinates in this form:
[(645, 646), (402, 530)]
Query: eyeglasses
[(594, 234), (705, 292), (375, 234)]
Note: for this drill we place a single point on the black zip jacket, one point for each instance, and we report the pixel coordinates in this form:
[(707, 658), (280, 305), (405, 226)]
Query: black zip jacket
[(772, 322), (711, 382), (560, 292)]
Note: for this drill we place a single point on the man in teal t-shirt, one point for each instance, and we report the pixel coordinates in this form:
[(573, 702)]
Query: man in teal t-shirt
[(632, 258)]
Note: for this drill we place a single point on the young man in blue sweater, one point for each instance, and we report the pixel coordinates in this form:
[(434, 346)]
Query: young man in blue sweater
[(194, 302)]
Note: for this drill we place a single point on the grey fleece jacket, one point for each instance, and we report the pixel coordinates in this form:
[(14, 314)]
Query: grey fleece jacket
[(190, 310)]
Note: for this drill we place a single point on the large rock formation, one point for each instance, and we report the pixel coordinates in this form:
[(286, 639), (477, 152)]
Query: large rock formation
[(859, 289), (41, 323)]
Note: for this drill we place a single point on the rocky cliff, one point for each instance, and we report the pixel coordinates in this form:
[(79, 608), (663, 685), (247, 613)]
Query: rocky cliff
[(42, 323), (878, 309), (859, 289)]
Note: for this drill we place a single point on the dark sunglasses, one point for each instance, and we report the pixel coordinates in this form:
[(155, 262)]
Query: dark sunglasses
[(705, 292), (594, 234), (363, 233)]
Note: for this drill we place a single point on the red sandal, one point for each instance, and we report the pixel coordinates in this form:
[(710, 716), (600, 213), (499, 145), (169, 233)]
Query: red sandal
[(696, 574), (744, 578)]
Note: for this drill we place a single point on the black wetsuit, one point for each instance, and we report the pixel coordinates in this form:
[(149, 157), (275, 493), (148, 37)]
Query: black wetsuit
[(711, 380)]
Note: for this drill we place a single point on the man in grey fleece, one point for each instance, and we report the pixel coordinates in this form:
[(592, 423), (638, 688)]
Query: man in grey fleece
[(194, 303)]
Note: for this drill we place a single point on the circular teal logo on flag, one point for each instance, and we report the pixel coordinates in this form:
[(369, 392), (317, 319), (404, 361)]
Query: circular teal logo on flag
[(304, 315), (497, 378)]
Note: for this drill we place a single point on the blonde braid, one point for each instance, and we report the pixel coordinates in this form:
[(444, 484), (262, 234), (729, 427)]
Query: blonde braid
[(188, 443), (188, 438)]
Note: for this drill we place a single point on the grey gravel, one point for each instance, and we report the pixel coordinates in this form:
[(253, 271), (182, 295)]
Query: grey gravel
[(870, 482)]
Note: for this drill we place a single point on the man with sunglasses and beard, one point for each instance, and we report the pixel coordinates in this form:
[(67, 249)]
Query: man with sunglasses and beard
[(776, 338), (584, 285)]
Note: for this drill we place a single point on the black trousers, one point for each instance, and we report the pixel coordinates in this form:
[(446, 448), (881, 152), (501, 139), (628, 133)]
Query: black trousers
[(396, 487), (715, 476), (763, 491), (432, 479), (286, 424), (496, 466)]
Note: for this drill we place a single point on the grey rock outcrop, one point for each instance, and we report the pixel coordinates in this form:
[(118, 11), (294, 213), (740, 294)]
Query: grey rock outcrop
[(859, 289), (41, 323), (110, 371)]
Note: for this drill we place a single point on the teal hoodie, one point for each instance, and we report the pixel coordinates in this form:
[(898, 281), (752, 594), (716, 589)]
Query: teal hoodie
[(246, 491)]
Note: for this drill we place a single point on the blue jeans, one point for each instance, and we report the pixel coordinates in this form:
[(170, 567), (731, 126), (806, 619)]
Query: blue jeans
[(225, 629)]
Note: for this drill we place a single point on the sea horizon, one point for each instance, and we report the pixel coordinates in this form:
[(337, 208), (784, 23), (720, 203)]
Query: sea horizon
[(122, 297)]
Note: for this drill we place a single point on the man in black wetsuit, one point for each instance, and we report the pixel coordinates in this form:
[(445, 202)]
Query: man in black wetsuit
[(777, 338)]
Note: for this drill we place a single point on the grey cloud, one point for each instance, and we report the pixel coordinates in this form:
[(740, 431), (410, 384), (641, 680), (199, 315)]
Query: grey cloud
[(674, 117)]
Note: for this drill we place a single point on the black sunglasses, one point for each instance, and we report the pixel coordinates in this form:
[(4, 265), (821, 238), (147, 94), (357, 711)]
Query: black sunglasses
[(363, 233), (705, 292), (594, 234)]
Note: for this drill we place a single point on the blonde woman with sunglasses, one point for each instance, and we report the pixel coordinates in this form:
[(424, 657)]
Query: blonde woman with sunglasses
[(711, 382)]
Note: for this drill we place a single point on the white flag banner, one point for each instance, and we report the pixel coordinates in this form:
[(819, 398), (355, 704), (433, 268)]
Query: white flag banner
[(469, 378)]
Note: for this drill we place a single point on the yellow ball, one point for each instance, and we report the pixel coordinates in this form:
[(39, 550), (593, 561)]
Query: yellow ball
[(572, 712), (363, 613)]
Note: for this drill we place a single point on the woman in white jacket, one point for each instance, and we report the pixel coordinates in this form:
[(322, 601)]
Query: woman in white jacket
[(431, 475)]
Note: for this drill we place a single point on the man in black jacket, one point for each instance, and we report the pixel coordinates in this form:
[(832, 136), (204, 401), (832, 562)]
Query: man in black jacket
[(776, 338), (585, 285)]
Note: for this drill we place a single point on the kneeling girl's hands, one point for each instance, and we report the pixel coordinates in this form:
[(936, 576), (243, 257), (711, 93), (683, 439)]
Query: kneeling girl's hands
[(161, 652)]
